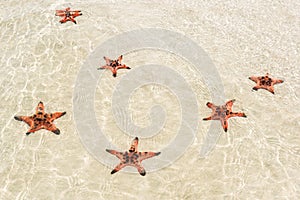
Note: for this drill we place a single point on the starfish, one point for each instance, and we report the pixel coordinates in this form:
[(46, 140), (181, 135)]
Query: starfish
[(68, 15), (223, 113), (114, 65), (265, 82), (41, 120), (132, 157)]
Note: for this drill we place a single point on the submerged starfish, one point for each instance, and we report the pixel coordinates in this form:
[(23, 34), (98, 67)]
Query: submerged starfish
[(223, 113), (132, 157), (265, 82), (68, 15), (114, 65), (41, 120)]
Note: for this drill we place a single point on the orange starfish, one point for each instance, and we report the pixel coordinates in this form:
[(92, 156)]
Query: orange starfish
[(223, 113), (132, 157), (265, 82), (68, 15), (114, 65), (41, 120)]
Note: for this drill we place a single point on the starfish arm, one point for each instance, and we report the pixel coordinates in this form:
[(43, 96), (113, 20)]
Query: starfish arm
[(254, 78), (210, 105), (256, 88), (26, 119), (270, 89), (224, 124), (107, 60), (32, 130), (60, 13), (229, 103), (278, 81), (114, 71), (120, 58), (140, 169), (123, 67), (134, 145), (207, 118), (104, 67), (51, 127), (116, 153), (146, 155), (40, 108), (76, 13), (118, 168), (64, 20), (238, 114), (56, 115), (73, 20)]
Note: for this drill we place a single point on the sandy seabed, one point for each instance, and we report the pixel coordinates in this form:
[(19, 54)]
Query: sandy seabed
[(258, 158)]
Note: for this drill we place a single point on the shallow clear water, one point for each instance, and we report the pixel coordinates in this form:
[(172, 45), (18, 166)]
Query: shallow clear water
[(258, 158)]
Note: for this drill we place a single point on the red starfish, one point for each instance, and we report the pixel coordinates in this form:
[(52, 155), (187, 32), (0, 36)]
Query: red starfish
[(68, 15), (114, 65), (223, 113), (41, 120), (132, 157), (265, 82)]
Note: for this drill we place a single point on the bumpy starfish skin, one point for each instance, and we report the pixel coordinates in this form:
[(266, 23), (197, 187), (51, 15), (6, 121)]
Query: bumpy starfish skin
[(41, 120), (265, 82), (132, 157), (68, 15), (223, 113), (114, 65)]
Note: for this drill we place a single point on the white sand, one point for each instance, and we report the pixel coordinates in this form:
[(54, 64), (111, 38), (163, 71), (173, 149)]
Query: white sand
[(258, 158)]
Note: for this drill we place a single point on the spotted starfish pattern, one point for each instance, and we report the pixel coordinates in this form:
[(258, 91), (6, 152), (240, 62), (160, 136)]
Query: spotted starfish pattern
[(265, 82), (114, 65), (68, 15), (41, 120), (132, 157), (223, 113)]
